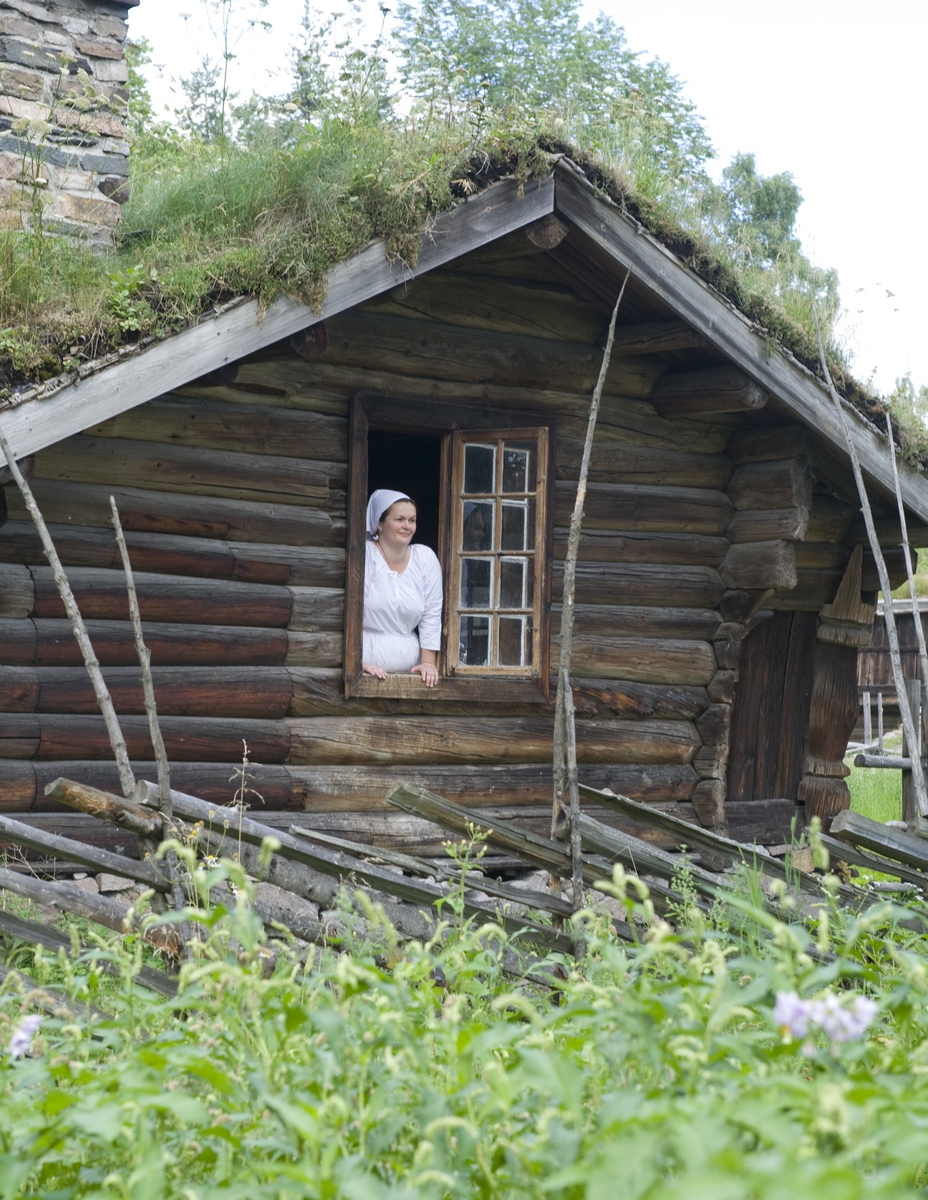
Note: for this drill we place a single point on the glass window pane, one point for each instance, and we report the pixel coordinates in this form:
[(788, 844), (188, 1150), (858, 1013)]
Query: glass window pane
[(479, 468), (512, 583), (479, 522), (475, 642), (512, 641), (476, 582), (518, 466), (517, 525)]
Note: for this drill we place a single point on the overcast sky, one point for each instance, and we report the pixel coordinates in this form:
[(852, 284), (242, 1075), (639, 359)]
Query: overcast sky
[(831, 90)]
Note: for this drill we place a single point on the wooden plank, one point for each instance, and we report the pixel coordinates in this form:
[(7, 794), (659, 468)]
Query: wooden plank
[(194, 471), (642, 659), (766, 525), (148, 511), (507, 306), (649, 584), (847, 852), (680, 549), (70, 900), (17, 834), (714, 390), (179, 691), (269, 786), (319, 692), (759, 565), (101, 595), (242, 328), (612, 462), (617, 620), (52, 644), (616, 846), (348, 789), (399, 346), (190, 739), (245, 428), (641, 508), (856, 830), (769, 442), (694, 301), (163, 553), (783, 483), (471, 741)]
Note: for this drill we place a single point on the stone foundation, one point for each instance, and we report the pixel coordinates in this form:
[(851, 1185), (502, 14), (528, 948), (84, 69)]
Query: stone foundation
[(64, 160)]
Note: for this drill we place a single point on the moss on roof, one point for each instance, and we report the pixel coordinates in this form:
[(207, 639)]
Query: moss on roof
[(205, 225)]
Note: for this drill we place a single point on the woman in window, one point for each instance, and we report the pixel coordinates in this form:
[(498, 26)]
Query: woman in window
[(402, 592)]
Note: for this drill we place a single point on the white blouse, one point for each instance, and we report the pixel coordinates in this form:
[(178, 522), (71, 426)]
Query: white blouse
[(396, 604)]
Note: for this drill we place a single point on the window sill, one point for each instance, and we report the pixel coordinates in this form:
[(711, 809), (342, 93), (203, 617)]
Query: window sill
[(499, 689)]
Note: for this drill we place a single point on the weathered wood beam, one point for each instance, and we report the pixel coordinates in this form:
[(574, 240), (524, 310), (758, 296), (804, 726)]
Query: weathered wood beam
[(714, 390), (68, 898), (18, 834), (251, 429), (782, 483), (768, 443), (767, 525), (881, 839), (150, 511), (641, 508), (760, 565), (105, 806), (401, 346)]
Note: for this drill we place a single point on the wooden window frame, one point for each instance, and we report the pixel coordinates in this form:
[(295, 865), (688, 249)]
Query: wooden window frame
[(396, 415)]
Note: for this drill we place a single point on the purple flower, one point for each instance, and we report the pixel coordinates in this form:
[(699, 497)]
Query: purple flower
[(839, 1022), (25, 1031), (792, 1014)]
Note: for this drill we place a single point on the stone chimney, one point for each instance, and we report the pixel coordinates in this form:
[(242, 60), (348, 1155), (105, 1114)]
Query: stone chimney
[(64, 160)]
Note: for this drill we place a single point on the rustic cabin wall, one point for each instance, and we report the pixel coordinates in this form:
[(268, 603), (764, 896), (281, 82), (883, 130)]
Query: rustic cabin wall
[(233, 499)]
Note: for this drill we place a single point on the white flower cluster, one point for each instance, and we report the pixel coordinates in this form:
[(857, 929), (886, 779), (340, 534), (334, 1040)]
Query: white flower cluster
[(839, 1022)]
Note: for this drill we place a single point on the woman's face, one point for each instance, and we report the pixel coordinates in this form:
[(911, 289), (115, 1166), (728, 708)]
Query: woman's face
[(398, 524)]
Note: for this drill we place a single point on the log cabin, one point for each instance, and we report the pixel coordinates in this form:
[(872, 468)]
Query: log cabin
[(724, 583)]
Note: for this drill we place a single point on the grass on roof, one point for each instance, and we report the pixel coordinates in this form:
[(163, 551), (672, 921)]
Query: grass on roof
[(206, 223)]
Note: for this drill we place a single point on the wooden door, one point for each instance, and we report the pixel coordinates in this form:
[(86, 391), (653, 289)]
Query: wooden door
[(770, 713)]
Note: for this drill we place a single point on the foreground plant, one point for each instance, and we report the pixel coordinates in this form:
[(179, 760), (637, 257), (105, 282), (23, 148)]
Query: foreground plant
[(659, 1069)]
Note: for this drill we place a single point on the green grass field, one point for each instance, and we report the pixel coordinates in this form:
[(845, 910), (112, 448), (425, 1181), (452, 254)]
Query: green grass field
[(877, 793)]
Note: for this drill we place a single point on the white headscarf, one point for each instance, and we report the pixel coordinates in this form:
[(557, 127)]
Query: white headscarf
[(378, 504)]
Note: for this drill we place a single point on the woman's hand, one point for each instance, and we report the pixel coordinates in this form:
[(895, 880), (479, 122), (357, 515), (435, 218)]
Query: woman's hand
[(373, 669), (428, 668)]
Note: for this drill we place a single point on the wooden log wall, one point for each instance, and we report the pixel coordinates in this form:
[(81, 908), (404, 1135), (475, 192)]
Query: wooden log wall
[(234, 502)]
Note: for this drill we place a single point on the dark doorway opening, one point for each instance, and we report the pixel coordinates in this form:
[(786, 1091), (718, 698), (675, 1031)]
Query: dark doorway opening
[(410, 463)]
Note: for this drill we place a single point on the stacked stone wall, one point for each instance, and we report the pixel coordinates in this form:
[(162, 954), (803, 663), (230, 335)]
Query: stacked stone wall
[(64, 158)]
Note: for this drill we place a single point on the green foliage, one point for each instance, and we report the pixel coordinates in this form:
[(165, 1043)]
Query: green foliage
[(657, 1067)]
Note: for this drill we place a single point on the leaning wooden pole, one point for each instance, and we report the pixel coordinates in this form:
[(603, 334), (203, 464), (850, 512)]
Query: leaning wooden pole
[(908, 725), (561, 733), (148, 688), (117, 741), (151, 711), (907, 551)]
